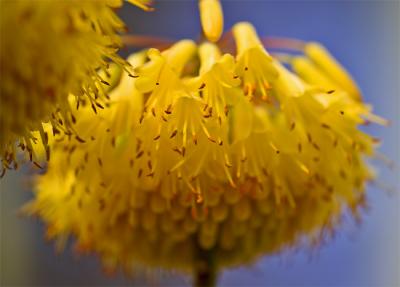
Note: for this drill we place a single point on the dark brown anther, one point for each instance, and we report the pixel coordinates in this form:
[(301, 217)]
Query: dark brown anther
[(156, 137), (102, 204), (195, 139), (235, 76), (211, 139), (46, 138), (149, 165), (92, 138), (246, 68), (105, 82), (100, 161), (108, 130), (22, 146), (164, 119), (47, 153), (325, 126), (342, 113), (113, 141), (299, 147), (226, 110), (100, 106), (168, 111), (173, 134), (309, 137), (55, 131), (79, 139), (330, 92), (183, 151), (202, 86), (37, 165), (73, 119), (157, 84), (140, 172), (139, 154), (315, 146), (176, 149), (141, 118), (94, 108), (335, 142), (153, 112), (205, 107), (220, 142), (292, 126)]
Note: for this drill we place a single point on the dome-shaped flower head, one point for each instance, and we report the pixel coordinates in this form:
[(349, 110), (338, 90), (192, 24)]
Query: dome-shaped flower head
[(186, 172), (49, 50)]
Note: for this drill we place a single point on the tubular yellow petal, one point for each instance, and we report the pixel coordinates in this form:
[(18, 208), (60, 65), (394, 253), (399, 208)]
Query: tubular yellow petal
[(328, 64), (209, 54), (311, 74), (179, 54), (143, 4), (245, 37), (212, 19)]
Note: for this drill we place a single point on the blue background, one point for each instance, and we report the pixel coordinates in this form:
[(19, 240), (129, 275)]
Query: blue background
[(365, 38)]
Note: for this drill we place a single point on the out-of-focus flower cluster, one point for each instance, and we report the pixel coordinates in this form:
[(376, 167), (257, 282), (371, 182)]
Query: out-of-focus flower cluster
[(49, 50), (233, 155)]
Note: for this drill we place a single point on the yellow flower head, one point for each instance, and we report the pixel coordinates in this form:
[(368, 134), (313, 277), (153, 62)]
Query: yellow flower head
[(49, 50), (183, 163)]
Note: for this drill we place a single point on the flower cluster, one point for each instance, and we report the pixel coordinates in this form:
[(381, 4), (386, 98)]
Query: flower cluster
[(236, 156), (49, 50)]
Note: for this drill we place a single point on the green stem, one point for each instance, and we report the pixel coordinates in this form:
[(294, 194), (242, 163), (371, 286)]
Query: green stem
[(205, 272), (206, 278)]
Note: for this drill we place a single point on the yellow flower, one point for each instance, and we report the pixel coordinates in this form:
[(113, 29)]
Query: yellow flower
[(184, 168), (254, 63), (49, 50)]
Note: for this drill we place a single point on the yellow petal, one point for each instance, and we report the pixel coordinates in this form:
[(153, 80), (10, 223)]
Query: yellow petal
[(212, 19)]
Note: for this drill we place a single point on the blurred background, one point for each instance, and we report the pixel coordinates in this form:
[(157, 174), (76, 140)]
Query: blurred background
[(365, 37)]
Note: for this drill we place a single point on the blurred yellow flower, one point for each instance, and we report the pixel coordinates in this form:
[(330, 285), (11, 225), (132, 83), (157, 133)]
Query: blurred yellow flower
[(49, 50), (184, 165), (212, 19)]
